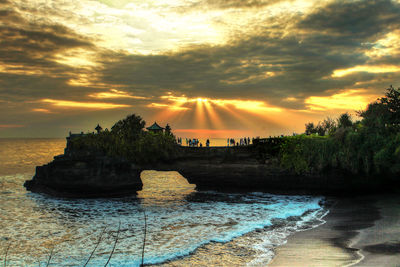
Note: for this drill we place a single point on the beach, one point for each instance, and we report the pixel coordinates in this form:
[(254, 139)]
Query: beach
[(359, 231)]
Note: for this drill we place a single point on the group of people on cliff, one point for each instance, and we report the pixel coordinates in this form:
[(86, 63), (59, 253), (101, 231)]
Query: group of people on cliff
[(194, 142), (245, 141)]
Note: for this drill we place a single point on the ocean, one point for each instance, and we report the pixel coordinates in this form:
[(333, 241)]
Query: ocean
[(184, 226)]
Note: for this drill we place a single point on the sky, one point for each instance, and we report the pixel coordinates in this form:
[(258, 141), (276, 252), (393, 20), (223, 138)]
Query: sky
[(208, 68)]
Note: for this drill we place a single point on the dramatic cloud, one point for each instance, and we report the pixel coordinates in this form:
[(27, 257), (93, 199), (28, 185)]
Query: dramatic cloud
[(267, 66), (223, 4), (355, 20)]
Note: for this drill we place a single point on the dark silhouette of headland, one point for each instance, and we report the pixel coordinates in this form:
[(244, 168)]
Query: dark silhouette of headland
[(333, 157)]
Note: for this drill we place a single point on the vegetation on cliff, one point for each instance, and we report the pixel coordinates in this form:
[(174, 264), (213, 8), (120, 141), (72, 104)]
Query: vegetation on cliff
[(367, 147), (129, 140), (370, 146)]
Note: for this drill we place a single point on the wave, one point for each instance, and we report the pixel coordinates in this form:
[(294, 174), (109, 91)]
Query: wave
[(177, 226)]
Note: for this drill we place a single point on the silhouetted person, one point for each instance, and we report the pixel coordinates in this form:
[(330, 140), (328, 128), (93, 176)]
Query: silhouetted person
[(98, 128)]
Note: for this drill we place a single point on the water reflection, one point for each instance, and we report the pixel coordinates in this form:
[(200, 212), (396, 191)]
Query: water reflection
[(180, 220), (37, 222), (164, 188)]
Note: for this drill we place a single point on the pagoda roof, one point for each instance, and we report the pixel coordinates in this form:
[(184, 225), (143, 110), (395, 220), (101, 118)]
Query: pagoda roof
[(155, 126)]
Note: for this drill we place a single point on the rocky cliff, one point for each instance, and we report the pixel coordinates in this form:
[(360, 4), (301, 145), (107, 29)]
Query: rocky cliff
[(80, 174), (86, 176)]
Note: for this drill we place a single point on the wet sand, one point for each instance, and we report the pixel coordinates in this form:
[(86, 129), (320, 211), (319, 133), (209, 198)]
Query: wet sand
[(361, 231), (380, 244)]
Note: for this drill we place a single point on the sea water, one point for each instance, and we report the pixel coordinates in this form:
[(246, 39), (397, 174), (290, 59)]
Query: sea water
[(182, 226)]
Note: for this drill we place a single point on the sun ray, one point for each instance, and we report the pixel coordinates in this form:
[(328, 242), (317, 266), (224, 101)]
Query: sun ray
[(170, 113), (233, 113), (215, 119), (199, 118)]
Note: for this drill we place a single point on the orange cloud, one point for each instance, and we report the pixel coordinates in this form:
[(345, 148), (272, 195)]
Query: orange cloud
[(366, 68), (21, 69), (84, 105), (42, 110), (350, 100), (290, 99), (77, 58), (113, 93)]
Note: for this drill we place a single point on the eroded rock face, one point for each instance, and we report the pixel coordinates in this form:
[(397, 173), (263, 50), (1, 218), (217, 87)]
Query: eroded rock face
[(254, 176), (80, 174), (91, 176)]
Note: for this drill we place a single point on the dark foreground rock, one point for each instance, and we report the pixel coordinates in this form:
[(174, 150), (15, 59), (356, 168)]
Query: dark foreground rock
[(267, 178), (80, 174), (86, 177)]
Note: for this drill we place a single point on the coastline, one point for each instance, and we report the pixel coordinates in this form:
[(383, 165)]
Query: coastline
[(359, 231)]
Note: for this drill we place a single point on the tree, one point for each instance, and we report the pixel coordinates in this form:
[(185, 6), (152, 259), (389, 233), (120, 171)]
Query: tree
[(310, 128), (384, 112), (329, 125), (129, 128), (320, 129), (375, 116), (344, 120), (392, 102)]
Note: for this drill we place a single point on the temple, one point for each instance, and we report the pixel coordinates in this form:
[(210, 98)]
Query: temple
[(155, 128)]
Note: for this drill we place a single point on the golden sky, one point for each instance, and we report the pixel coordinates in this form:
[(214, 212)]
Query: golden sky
[(214, 68)]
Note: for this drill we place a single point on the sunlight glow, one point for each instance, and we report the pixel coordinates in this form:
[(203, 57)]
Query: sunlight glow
[(253, 106), (90, 79), (202, 100), (113, 93), (206, 133), (22, 70), (83, 105), (42, 110), (366, 68), (290, 99), (215, 119), (350, 100), (250, 105), (170, 107), (200, 116), (149, 27), (385, 46), (77, 58), (82, 79), (208, 112)]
